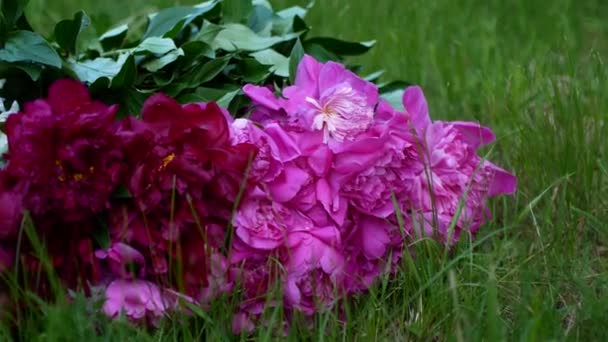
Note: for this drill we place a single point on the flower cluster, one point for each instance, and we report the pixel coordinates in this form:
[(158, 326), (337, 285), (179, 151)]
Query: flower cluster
[(316, 192), (340, 169)]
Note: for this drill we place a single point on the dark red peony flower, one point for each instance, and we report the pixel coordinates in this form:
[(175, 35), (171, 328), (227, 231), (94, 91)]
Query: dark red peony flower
[(184, 174), (65, 151), (11, 207)]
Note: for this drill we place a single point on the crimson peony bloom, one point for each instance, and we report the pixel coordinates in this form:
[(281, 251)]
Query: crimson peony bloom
[(65, 152), (184, 174)]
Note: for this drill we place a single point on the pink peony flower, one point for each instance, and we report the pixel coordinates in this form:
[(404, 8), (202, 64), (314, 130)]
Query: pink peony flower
[(372, 246), (275, 147), (263, 224), (137, 299), (121, 257), (314, 269), (452, 172), (325, 97)]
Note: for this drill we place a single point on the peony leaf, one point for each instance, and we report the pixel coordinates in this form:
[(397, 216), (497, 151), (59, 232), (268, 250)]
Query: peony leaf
[(159, 63), (284, 20), (170, 21), (341, 47), (236, 11), (114, 37), (195, 49), (394, 98), (209, 70), (12, 10), (26, 46), (155, 46), (67, 31), (279, 63), (251, 71), (91, 71), (208, 32), (239, 37), (260, 20), (126, 76), (374, 76), (294, 60)]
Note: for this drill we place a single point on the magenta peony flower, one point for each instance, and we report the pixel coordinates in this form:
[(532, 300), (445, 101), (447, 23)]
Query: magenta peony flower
[(137, 299), (66, 151), (123, 259), (372, 247), (325, 97), (263, 224), (452, 172), (275, 147), (315, 269)]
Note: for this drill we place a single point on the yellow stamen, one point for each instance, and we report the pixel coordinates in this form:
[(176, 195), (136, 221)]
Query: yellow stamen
[(167, 160), (78, 177)]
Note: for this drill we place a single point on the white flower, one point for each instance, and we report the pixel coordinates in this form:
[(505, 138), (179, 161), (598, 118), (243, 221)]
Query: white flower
[(4, 113)]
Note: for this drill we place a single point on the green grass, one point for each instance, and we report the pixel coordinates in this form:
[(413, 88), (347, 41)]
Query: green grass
[(535, 72)]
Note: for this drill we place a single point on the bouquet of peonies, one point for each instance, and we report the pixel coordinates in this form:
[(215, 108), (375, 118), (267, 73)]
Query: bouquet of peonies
[(319, 190)]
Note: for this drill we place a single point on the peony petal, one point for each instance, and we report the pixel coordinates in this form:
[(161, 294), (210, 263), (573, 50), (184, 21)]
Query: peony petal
[(374, 236), (503, 182), (474, 134), (161, 109), (307, 75), (415, 104), (66, 95), (287, 149), (287, 184), (262, 96)]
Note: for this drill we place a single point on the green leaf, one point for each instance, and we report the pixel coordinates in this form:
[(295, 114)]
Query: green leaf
[(279, 63), (122, 192), (127, 74), (101, 234), (159, 63), (26, 46), (250, 70), (223, 97), (391, 86), (170, 21), (202, 74), (260, 19), (156, 46), (294, 60), (320, 53), (208, 32), (195, 49), (67, 31), (284, 19), (114, 37), (12, 10), (374, 76), (33, 70), (394, 98), (209, 70), (239, 37), (236, 11), (203, 94), (341, 47), (90, 71)]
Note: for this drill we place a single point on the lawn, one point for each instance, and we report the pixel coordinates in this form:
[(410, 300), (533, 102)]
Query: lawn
[(532, 70)]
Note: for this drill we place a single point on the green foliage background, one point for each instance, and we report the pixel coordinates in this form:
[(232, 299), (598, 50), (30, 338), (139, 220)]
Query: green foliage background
[(533, 70)]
